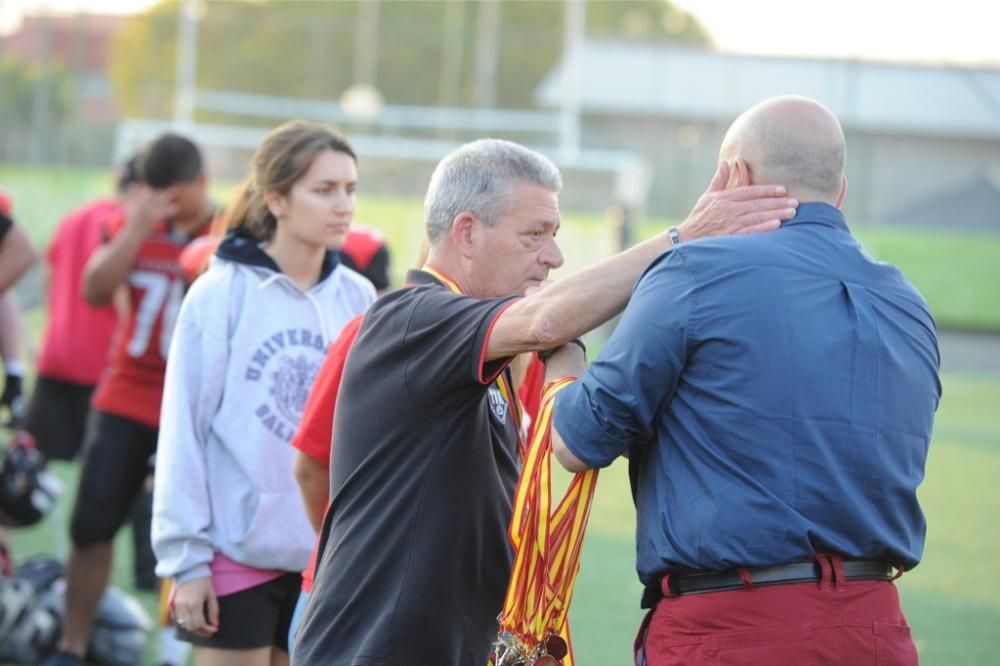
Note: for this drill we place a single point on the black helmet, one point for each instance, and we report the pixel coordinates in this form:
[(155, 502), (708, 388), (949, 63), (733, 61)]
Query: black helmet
[(31, 614), (27, 491), (31, 611)]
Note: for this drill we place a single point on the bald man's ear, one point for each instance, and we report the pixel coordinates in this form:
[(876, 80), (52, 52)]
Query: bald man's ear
[(740, 173), (843, 192)]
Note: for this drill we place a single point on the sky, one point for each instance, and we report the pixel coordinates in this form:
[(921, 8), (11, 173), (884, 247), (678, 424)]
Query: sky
[(953, 32)]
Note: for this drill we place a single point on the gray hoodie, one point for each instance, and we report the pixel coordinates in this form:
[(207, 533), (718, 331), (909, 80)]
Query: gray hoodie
[(245, 351)]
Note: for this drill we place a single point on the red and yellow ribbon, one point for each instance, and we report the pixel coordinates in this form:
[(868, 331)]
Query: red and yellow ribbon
[(448, 282), (547, 543)]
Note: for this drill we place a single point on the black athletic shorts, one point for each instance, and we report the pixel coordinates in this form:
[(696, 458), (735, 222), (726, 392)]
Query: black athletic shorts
[(253, 618), (57, 417), (115, 465)]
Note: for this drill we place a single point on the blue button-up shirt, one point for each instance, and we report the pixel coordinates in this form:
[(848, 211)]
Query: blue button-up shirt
[(777, 392)]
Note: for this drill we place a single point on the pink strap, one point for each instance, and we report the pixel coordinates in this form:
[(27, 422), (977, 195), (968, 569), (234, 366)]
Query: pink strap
[(665, 585), (826, 569), (839, 579)]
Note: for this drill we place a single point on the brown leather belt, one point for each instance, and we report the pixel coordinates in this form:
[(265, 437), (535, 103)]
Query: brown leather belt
[(783, 574)]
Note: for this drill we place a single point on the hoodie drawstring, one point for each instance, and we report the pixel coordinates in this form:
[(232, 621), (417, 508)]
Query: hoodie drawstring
[(324, 324)]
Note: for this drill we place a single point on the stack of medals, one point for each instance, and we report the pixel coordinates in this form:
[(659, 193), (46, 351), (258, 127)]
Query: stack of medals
[(510, 650), (533, 623)]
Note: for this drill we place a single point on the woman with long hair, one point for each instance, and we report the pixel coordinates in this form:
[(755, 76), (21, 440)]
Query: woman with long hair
[(229, 526)]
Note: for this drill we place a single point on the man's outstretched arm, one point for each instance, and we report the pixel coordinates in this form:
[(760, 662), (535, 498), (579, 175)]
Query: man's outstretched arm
[(567, 361), (593, 295)]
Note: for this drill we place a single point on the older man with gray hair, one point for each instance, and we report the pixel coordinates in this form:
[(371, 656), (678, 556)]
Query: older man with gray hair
[(415, 558), (777, 394)]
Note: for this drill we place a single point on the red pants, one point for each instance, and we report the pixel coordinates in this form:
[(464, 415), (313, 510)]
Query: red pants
[(849, 623)]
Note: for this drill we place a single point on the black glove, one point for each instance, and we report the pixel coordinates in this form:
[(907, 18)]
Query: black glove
[(12, 400)]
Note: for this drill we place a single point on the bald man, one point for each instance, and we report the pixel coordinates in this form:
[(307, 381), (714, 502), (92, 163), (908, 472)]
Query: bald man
[(776, 394)]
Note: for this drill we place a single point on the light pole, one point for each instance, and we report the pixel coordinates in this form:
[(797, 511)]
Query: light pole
[(362, 100), (574, 30), (186, 75)]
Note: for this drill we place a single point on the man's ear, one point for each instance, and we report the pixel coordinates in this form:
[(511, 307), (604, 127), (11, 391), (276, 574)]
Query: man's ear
[(843, 192), (740, 173), (463, 233)]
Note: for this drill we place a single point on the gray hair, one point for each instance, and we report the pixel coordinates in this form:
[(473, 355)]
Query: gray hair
[(478, 178)]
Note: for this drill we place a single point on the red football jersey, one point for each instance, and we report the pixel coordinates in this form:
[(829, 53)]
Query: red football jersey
[(194, 258), (132, 387), (77, 335), (529, 393), (361, 244)]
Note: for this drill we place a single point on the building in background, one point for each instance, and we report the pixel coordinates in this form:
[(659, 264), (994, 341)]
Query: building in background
[(912, 130), (79, 43), (915, 133), (57, 103), (973, 205)]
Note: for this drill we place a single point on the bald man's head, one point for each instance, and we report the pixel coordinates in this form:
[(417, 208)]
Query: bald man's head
[(791, 141)]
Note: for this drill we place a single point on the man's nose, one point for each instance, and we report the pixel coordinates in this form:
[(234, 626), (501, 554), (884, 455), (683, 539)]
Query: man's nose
[(552, 256)]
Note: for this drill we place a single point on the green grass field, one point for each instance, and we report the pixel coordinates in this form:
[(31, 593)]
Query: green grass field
[(952, 600)]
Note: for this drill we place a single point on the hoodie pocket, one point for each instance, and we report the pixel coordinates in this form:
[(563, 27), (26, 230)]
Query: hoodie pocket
[(273, 532)]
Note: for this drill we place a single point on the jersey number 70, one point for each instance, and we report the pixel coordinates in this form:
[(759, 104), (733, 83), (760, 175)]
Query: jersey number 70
[(160, 292)]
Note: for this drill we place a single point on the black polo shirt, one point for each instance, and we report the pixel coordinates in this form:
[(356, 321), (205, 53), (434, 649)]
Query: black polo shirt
[(415, 557)]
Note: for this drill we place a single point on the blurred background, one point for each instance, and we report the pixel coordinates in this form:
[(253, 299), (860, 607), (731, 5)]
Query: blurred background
[(631, 99)]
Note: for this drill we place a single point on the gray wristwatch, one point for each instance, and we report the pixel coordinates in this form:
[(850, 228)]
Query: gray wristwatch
[(675, 236)]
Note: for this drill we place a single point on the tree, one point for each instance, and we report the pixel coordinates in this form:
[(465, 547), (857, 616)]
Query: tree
[(34, 101), (307, 49)]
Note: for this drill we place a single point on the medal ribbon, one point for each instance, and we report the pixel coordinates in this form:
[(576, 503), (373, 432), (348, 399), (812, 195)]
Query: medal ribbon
[(547, 543)]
